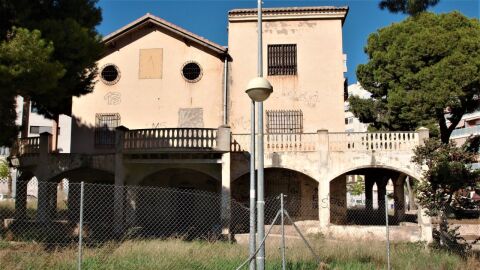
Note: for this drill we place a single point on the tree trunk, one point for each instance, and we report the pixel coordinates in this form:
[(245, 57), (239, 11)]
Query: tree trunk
[(25, 117), (411, 198)]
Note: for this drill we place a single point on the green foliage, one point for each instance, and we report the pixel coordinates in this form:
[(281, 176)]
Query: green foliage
[(4, 171), (357, 187), (449, 174), (26, 66), (8, 115), (412, 7), (26, 63), (417, 70), (69, 42)]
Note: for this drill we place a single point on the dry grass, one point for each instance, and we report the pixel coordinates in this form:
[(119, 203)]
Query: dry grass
[(177, 254)]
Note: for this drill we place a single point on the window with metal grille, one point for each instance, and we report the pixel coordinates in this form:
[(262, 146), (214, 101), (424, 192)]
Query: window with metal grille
[(105, 124), (282, 59), (110, 74), (284, 121)]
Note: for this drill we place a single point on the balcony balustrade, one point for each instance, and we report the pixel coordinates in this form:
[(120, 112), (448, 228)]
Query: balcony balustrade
[(26, 146), (285, 142), (366, 141), (337, 141), (170, 139)]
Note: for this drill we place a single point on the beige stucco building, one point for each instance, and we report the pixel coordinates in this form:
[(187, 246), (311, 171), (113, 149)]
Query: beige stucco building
[(169, 109)]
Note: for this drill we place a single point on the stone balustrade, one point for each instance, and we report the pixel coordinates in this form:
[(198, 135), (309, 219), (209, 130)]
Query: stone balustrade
[(367, 141), (337, 141), (26, 146), (170, 138), (286, 142)]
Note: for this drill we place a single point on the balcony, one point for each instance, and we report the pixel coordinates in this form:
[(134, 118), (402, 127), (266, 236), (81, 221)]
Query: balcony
[(170, 140), (26, 146), (284, 142), (335, 141), (368, 141)]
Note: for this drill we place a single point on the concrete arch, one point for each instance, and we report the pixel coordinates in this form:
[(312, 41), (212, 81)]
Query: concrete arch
[(183, 178), (136, 173), (247, 171), (183, 202), (300, 188), (415, 175), (85, 174)]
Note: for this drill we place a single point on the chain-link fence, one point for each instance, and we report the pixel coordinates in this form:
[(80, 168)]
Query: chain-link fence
[(90, 218)]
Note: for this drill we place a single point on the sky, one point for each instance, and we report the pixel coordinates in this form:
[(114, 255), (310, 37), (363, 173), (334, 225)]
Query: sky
[(209, 18)]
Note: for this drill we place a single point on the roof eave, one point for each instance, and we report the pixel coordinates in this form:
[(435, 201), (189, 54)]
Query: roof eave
[(147, 19), (289, 14)]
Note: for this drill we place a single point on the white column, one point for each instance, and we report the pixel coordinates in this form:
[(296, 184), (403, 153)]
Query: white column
[(425, 223), (225, 212), (322, 147)]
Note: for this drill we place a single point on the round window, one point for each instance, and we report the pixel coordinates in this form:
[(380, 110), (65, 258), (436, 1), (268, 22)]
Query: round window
[(110, 74), (192, 72)]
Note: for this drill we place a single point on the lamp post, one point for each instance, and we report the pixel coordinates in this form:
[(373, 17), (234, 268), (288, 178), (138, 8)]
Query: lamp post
[(259, 89)]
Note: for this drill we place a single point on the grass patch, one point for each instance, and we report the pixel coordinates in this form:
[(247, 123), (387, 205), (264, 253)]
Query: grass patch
[(177, 254)]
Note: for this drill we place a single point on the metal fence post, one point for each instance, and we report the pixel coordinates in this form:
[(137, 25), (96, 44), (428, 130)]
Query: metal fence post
[(388, 233), (284, 263), (80, 230)]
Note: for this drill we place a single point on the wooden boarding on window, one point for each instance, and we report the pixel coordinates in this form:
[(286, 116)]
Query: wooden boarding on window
[(150, 64)]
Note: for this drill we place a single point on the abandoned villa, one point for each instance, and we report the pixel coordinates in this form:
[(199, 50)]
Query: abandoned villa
[(169, 109)]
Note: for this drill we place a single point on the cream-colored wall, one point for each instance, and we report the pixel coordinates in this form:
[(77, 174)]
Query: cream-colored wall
[(317, 89), (151, 103)]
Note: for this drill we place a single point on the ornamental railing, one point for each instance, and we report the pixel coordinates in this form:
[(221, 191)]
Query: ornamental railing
[(170, 139), (366, 141), (26, 146), (336, 141), (279, 142)]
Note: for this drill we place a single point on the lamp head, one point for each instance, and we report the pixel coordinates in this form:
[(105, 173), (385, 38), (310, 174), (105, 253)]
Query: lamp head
[(259, 89)]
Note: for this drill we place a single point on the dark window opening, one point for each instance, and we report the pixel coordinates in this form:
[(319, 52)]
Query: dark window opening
[(105, 124), (110, 73), (284, 121), (41, 129), (282, 59), (191, 71)]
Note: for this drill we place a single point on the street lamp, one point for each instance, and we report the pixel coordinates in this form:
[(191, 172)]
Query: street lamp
[(258, 89)]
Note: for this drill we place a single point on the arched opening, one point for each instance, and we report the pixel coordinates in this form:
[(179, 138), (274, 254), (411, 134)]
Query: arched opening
[(32, 197), (301, 192), (365, 196), (176, 202), (53, 206), (98, 200)]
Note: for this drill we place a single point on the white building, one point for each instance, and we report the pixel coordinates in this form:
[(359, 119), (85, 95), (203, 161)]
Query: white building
[(352, 124), (38, 124)]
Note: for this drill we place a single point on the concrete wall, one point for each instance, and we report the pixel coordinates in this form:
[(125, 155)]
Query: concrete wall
[(155, 102), (317, 89)]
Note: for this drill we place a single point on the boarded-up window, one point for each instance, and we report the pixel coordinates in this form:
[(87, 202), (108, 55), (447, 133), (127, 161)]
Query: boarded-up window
[(190, 117), (282, 59), (105, 124), (284, 121), (150, 64)]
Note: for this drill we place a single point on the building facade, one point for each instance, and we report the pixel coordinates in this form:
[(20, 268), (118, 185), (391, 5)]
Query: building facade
[(170, 110)]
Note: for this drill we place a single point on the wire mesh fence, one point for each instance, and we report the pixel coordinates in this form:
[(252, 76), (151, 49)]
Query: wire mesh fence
[(87, 216)]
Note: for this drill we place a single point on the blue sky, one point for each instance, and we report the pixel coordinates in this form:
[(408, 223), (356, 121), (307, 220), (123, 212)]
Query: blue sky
[(209, 18)]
